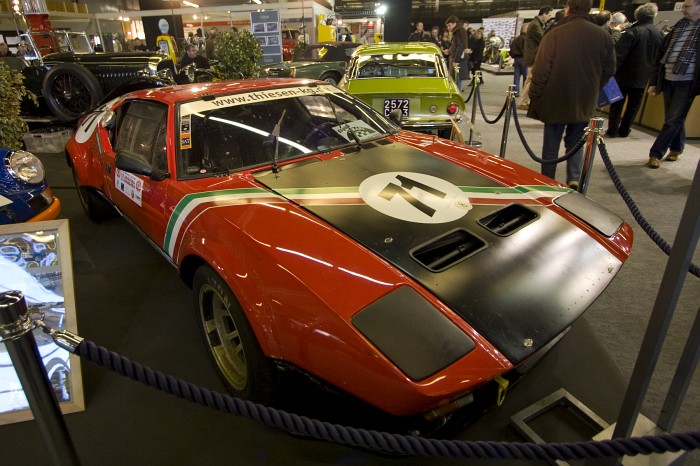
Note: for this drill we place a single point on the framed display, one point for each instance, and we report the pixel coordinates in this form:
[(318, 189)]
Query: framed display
[(35, 258)]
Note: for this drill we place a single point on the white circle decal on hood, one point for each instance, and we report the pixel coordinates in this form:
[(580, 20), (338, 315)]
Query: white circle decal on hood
[(415, 197)]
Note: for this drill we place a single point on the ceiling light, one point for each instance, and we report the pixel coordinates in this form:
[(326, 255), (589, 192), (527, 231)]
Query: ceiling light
[(193, 5)]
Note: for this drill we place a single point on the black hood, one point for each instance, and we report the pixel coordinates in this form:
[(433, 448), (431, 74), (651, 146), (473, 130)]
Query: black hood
[(515, 270)]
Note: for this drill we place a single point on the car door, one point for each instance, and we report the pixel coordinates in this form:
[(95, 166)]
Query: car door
[(141, 132)]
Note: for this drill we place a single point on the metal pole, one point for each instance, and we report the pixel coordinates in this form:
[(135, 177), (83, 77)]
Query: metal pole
[(681, 380), (21, 346), (594, 129), (475, 85), (670, 289), (506, 123)]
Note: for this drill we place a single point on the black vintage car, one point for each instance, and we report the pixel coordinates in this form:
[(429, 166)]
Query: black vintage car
[(62, 68)]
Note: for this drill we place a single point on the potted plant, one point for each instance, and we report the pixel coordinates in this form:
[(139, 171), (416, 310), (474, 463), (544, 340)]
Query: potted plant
[(237, 57), (12, 94)]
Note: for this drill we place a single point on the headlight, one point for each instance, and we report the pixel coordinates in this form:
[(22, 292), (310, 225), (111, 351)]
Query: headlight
[(597, 216), (25, 166), (419, 339)]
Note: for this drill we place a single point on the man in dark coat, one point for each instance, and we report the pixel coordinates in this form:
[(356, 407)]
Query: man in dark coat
[(574, 61), (636, 51), (676, 73), (517, 50), (458, 53), (420, 34), (535, 31)]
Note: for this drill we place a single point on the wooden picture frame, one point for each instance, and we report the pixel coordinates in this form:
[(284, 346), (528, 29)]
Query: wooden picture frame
[(35, 258)]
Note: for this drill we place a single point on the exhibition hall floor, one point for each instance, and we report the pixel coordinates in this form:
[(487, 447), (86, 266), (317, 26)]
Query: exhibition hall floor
[(131, 301)]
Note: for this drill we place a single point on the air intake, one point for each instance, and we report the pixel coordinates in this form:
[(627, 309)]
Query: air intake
[(508, 220), (447, 250)]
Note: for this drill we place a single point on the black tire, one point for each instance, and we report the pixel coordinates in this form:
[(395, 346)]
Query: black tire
[(71, 90), (94, 205), (332, 78), (231, 342)]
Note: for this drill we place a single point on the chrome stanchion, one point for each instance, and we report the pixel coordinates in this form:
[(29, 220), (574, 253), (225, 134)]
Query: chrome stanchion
[(594, 129), (16, 332), (506, 123), (475, 84)]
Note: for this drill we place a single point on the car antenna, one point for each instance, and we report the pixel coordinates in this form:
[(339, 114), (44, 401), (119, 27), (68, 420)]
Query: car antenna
[(276, 138)]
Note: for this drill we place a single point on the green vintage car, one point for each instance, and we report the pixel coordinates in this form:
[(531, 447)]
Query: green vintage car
[(411, 77), (326, 61)]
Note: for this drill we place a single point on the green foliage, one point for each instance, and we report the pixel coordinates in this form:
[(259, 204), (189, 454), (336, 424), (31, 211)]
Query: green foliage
[(237, 56), (298, 50), (12, 92)]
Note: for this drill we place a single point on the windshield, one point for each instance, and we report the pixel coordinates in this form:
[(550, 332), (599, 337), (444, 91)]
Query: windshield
[(234, 132), (398, 65)]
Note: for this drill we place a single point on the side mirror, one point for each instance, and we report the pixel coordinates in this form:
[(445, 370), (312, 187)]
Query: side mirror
[(108, 119), (395, 116), (134, 163)]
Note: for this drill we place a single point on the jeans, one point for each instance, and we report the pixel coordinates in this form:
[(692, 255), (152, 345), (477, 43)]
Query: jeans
[(619, 123), (519, 69), (678, 97), (550, 148)]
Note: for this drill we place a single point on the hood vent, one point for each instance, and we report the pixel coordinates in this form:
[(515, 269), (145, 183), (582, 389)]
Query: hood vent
[(447, 250), (508, 220)]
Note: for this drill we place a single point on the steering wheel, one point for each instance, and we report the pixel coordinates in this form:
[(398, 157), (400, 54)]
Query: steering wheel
[(325, 129)]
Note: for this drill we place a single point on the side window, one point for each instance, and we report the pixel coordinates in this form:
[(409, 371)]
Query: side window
[(142, 131)]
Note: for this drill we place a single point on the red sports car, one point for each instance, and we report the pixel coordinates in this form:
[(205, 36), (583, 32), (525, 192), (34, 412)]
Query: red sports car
[(404, 269)]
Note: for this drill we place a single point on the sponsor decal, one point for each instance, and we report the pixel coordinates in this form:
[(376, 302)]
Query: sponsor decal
[(4, 201), (256, 96), (130, 185)]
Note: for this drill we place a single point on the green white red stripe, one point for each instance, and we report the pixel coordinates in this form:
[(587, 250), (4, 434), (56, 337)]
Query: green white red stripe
[(193, 205)]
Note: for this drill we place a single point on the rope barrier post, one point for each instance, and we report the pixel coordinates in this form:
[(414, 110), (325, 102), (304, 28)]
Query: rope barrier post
[(16, 332), (595, 127), (506, 123), (475, 85)]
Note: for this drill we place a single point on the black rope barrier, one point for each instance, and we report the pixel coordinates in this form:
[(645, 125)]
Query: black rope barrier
[(382, 442), (534, 156), (471, 93), (483, 114), (636, 213)]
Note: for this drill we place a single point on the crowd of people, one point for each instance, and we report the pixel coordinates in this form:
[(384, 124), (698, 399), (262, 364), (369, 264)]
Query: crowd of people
[(563, 59), (462, 46)]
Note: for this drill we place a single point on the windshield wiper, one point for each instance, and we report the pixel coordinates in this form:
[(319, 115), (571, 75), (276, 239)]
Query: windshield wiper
[(276, 141)]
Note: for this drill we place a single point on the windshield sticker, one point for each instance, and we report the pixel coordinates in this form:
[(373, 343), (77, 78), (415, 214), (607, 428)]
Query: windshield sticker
[(255, 97), (415, 197), (130, 185), (362, 130)]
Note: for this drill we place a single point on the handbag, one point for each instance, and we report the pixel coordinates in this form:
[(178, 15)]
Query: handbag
[(609, 94)]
